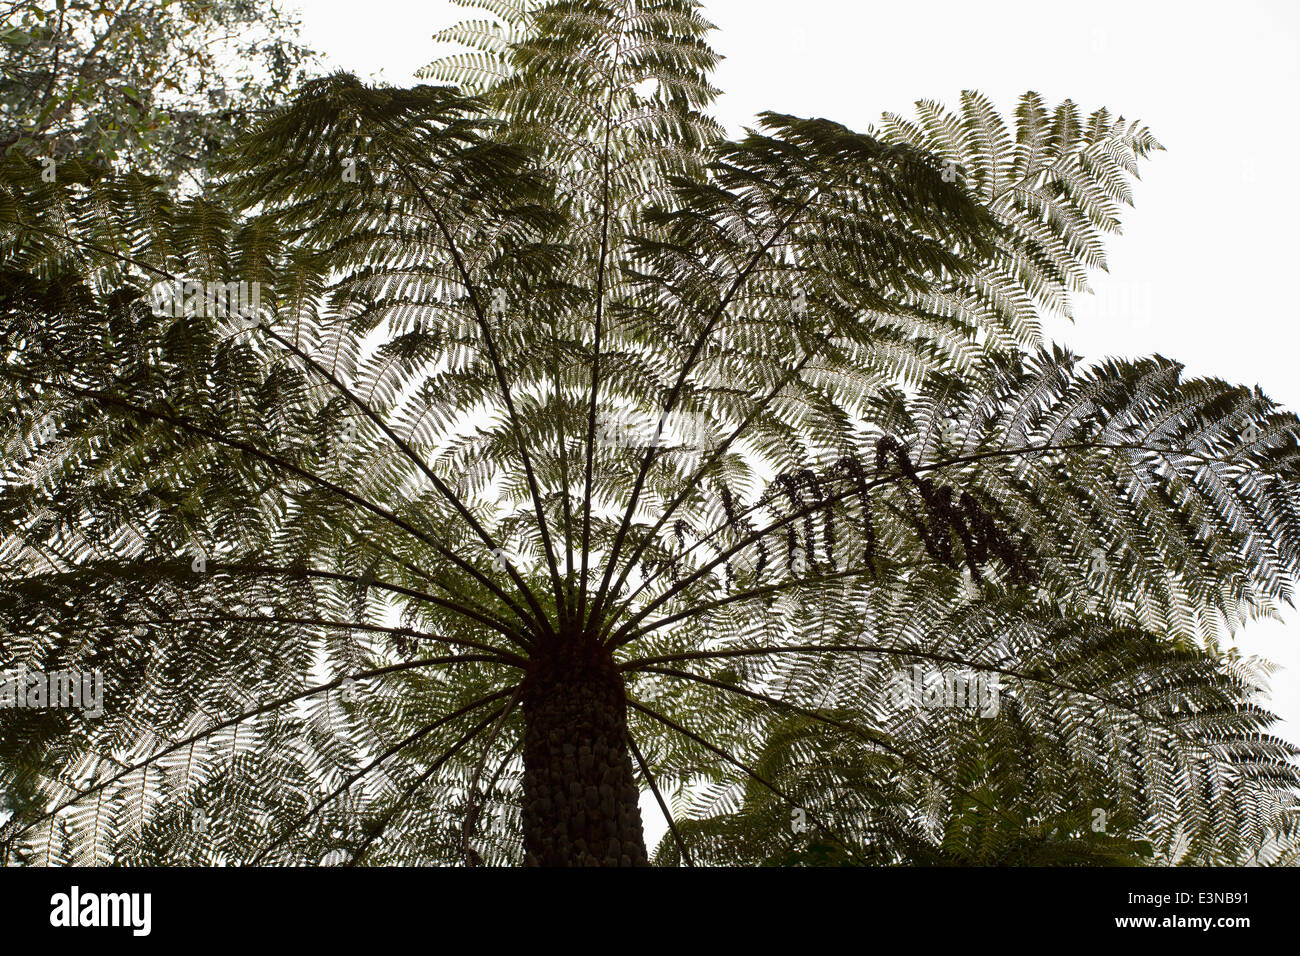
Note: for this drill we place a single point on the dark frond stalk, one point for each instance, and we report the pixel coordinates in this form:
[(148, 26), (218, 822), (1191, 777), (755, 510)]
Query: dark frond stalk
[(696, 348), (239, 719), (857, 489), (737, 597), (377, 829), (659, 799), (467, 610), (874, 739), (471, 808), (600, 314), (748, 771), (689, 485), (567, 620), (501, 655), (494, 357), (517, 636), (439, 485), (472, 858), (275, 461), (371, 765), (648, 664)]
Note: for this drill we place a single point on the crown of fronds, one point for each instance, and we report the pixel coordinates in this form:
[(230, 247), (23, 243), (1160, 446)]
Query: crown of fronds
[(312, 548)]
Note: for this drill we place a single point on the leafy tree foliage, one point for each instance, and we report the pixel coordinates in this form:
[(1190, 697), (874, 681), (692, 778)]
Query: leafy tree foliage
[(570, 450), (155, 86)]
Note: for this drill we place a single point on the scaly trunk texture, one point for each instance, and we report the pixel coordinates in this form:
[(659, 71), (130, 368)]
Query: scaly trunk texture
[(580, 798)]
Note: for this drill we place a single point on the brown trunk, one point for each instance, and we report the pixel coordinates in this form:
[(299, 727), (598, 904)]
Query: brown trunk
[(580, 798)]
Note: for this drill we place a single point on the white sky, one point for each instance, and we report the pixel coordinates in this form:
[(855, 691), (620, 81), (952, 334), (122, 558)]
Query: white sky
[(1198, 274)]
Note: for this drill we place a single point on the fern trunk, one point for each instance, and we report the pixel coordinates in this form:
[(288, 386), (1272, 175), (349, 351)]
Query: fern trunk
[(580, 805)]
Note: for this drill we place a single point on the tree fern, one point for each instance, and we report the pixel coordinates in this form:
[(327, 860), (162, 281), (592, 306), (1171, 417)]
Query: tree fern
[(571, 450)]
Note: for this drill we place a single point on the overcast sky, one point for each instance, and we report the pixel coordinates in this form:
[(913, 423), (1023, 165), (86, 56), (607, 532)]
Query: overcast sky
[(1204, 271)]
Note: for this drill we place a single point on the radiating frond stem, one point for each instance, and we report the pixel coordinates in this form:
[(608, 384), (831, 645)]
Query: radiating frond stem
[(858, 732), (748, 771), (471, 809), (471, 611), (472, 857), (248, 715), (438, 484), (377, 761), (494, 358), (434, 540), (649, 664), (834, 498), (564, 477), (292, 572), (599, 328), (675, 393), (517, 636), (377, 830), (659, 799), (501, 656), (691, 483), (749, 595)]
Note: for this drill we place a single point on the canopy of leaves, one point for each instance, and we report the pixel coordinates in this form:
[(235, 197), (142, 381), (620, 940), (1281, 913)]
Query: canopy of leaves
[(152, 86), (539, 352)]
